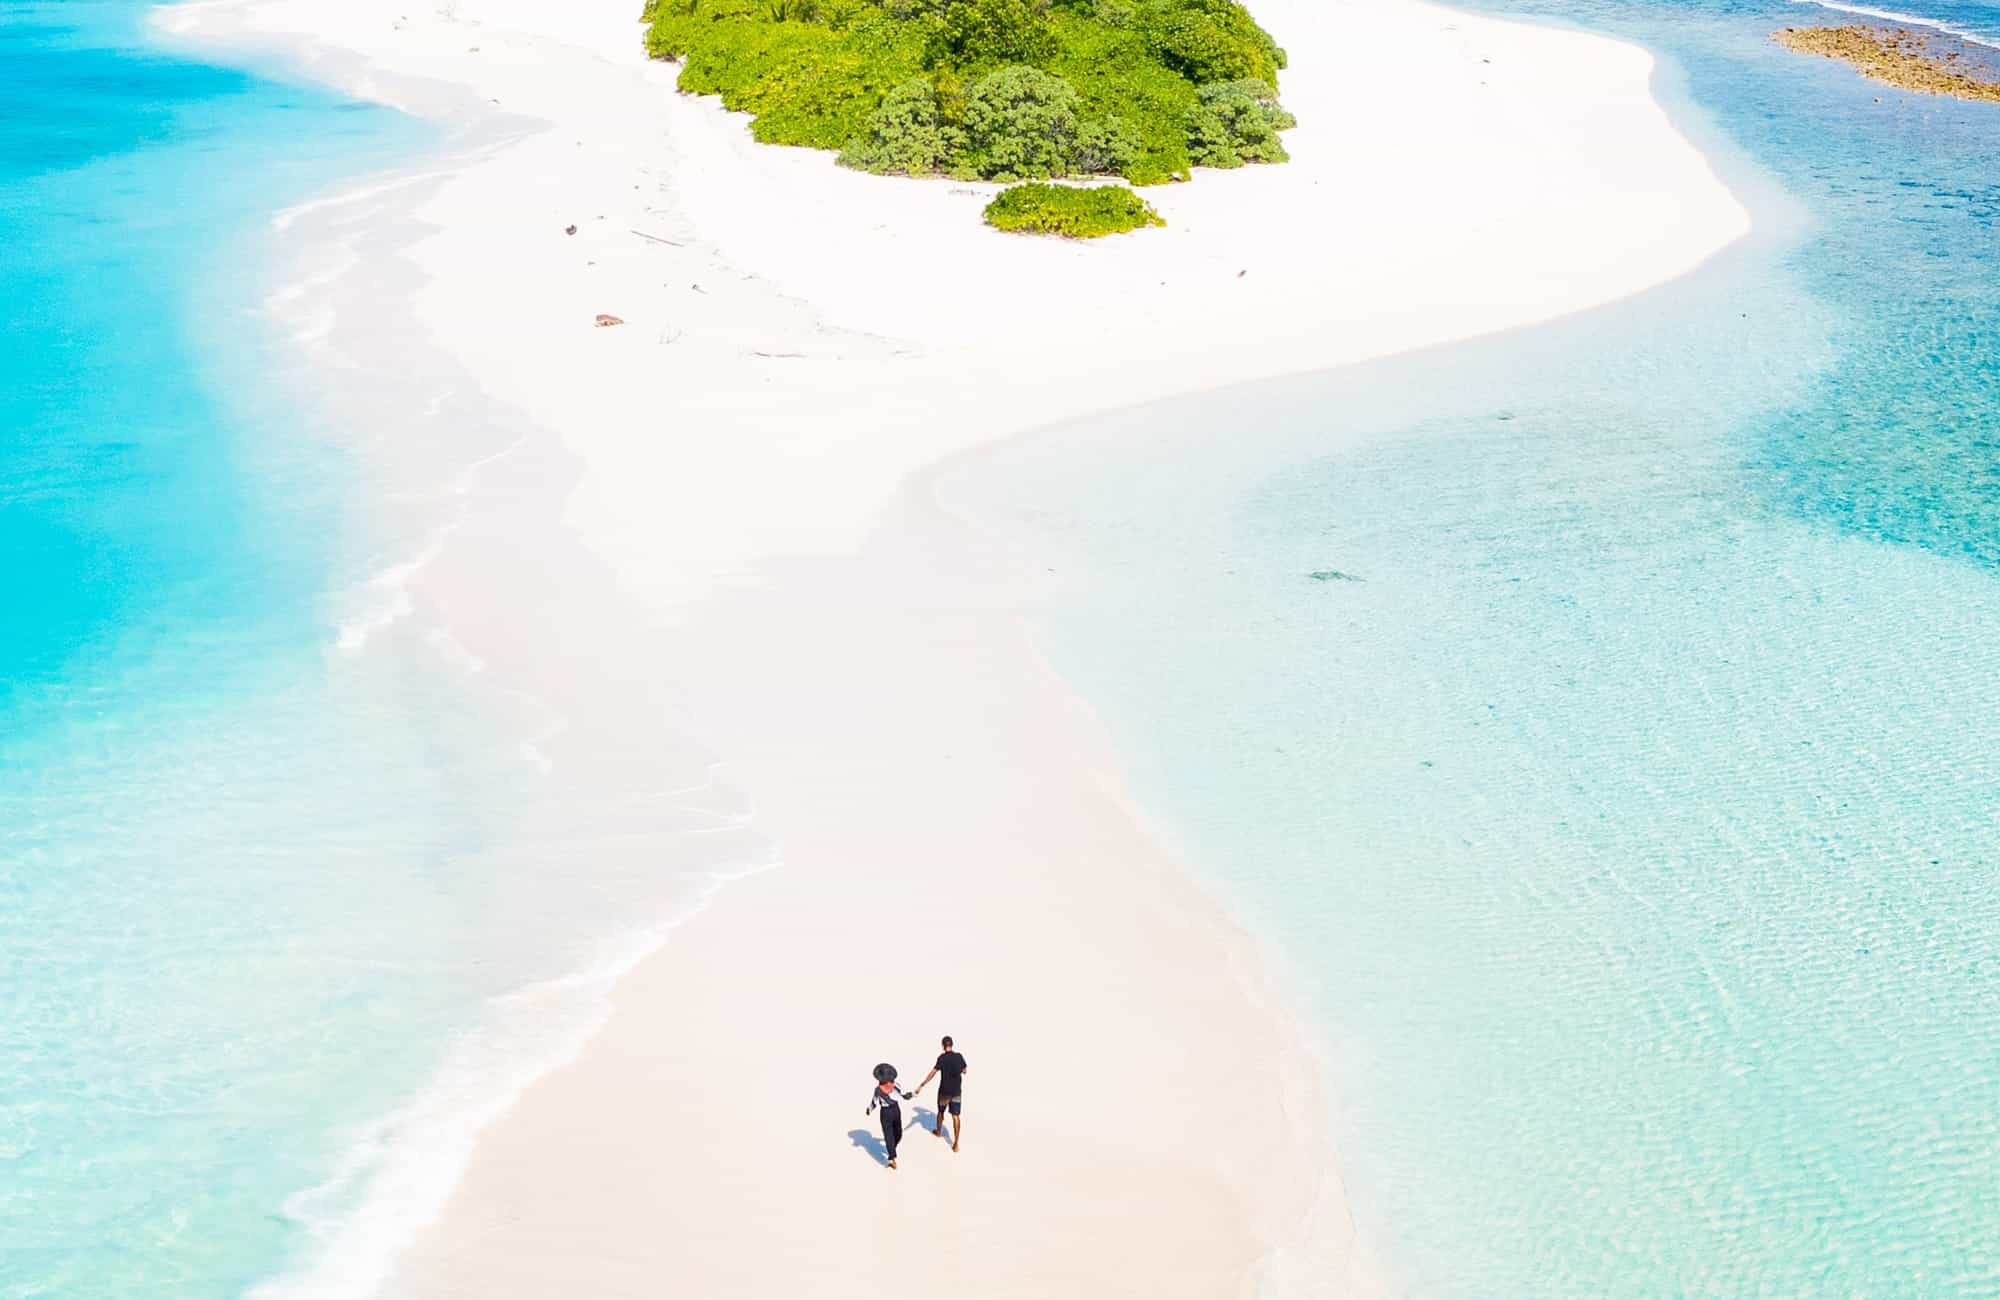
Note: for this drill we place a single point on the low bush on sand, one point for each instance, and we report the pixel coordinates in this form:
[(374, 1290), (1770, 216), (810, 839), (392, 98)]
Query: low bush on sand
[(1238, 122), (1074, 212)]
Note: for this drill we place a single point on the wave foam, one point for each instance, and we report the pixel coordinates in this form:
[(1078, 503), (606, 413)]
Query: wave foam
[(1913, 20), (385, 598), (398, 1173), (287, 217)]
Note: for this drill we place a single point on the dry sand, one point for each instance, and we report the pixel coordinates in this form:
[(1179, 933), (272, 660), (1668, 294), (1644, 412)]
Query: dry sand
[(799, 342)]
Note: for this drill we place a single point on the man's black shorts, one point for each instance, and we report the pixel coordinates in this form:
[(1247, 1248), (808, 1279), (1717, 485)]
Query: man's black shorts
[(947, 1104)]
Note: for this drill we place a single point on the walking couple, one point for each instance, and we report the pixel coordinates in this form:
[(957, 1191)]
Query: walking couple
[(949, 1071)]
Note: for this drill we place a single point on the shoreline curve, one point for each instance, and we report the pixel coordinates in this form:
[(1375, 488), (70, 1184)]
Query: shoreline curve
[(788, 362)]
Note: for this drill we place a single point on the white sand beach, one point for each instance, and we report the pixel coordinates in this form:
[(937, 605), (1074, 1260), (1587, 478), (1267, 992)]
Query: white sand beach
[(744, 458)]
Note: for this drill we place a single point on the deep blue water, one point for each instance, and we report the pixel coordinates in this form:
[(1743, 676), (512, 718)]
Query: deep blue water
[(1971, 20), (1604, 720)]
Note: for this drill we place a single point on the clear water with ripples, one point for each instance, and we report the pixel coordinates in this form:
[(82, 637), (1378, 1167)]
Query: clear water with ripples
[(1604, 720)]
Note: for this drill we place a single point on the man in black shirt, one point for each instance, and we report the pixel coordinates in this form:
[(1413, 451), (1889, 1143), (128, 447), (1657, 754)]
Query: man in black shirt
[(950, 1074)]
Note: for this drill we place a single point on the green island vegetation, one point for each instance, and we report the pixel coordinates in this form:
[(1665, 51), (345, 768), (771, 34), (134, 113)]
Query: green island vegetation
[(1073, 211), (1002, 90)]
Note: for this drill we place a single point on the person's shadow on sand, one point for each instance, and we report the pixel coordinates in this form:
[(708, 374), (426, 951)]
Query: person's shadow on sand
[(865, 1139), (868, 1142)]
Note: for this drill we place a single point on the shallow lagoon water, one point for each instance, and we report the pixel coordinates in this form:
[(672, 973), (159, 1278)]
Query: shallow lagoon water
[(1602, 720)]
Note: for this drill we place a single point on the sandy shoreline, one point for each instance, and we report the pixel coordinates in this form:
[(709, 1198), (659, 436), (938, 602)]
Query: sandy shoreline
[(956, 853)]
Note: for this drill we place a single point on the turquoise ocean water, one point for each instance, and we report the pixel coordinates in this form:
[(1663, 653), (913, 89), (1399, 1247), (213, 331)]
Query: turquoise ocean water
[(1604, 721), (289, 903), (1629, 820), (159, 575)]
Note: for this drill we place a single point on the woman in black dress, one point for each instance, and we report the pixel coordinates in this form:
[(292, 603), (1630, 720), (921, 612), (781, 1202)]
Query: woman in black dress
[(884, 1099)]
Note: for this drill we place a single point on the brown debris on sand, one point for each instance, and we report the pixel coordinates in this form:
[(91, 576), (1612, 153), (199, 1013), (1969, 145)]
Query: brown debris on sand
[(605, 318), (1896, 56)]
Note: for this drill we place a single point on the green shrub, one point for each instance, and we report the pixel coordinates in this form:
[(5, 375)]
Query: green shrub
[(1237, 122), (1210, 40), (1020, 122), (1070, 211), (1115, 76), (907, 134), (1106, 147), (975, 33), (1003, 89), (677, 27), (807, 83)]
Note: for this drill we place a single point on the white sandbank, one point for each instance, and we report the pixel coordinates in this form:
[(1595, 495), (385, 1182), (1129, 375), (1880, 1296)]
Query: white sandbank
[(799, 343)]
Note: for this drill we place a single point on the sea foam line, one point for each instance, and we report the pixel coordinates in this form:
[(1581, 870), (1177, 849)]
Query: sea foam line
[(1913, 20), (287, 217), (391, 596), (281, 300), (405, 1166), (461, 482)]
